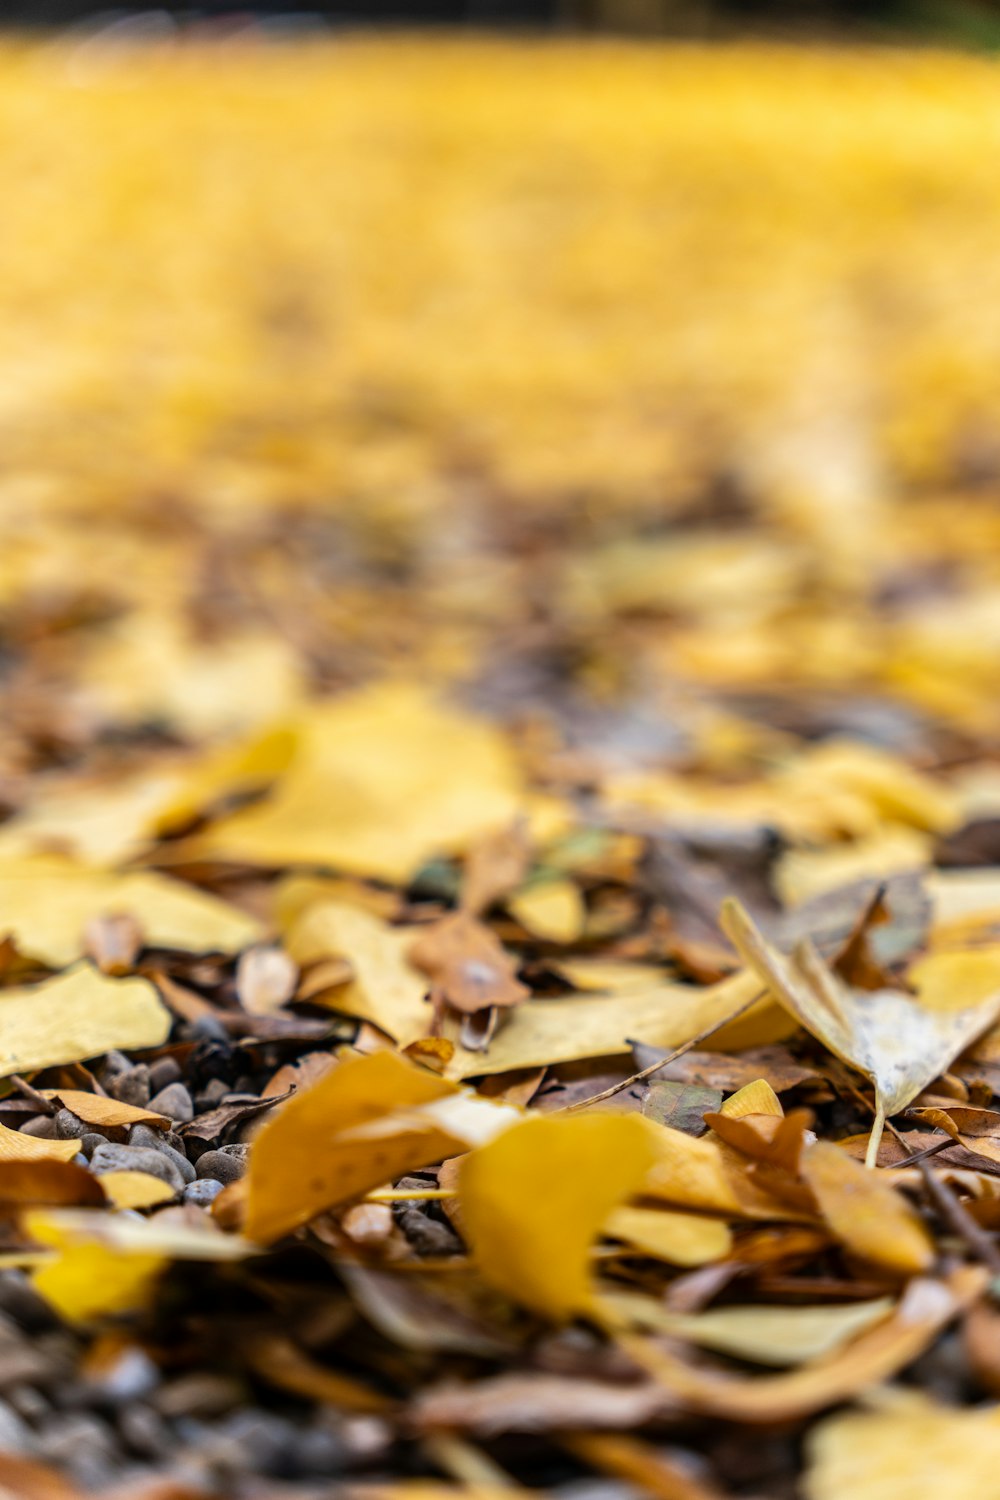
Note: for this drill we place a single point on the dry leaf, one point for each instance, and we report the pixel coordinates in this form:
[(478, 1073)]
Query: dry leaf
[(127, 1189), (534, 1200), (47, 904), (679, 1239), (76, 1015), (385, 989), (909, 1448), (16, 1146), (760, 1334), (495, 866), (900, 1041), (365, 1123), (552, 910), (865, 1212), (365, 793), (543, 1032), (99, 1110), (38, 1181), (265, 980), (925, 1308), (467, 965)]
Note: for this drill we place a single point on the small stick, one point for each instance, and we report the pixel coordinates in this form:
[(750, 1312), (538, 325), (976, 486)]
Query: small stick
[(43, 1105), (640, 1077)]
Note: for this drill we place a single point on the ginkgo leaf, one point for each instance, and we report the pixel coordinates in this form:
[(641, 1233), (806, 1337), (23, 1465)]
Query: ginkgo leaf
[(77, 1015), (895, 1038), (366, 1122), (534, 1199), (99, 1110), (47, 902), (16, 1146), (386, 988), (128, 1189), (365, 792), (910, 1447), (865, 1212), (553, 910), (542, 1032), (762, 1334), (678, 1238)]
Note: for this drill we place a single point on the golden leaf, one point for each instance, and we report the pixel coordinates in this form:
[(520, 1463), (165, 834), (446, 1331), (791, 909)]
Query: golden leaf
[(896, 1039), (553, 910), (534, 1199), (77, 1015), (865, 1212), (679, 1239)]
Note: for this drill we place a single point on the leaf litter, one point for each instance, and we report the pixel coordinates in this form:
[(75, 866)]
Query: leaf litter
[(499, 858)]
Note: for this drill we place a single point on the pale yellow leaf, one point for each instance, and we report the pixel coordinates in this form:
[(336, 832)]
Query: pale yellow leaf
[(16, 1146), (541, 1032), (129, 1189), (865, 1212), (909, 1448), (47, 902), (382, 779), (76, 1015), (553, 910), (761, 1334), (386, 989), (534, 1199), (97, 1109), (756, 1098), (678, 1238), (894, 1038)]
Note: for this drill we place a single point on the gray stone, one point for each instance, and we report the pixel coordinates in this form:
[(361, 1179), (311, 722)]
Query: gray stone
[(84, 1445), (165, 1070), (69, 1127), (90, 1142), (175, 1102), (42, 1126), (132, 1087), (227, 1164), (203, 1191), (155, 1140), (144, 1431), (113, 1158), (15, 1434)]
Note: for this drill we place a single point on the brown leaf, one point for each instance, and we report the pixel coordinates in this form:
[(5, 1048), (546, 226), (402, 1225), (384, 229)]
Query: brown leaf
[(467, 965)]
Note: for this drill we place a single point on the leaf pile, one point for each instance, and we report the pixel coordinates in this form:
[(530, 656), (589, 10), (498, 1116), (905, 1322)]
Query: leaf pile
[(499, 772)]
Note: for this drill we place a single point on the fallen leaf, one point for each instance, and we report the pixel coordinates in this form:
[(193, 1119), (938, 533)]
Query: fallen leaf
[(865, 1212), (680, 1239), (534, 1199), (48, 1182), (47, 904), (552, 910), (682, 1106), (15, 1146), (552, 1031), (906, 1449), (127, 1189), (265, 980), (467, 965), (386, 988), (364, 791), (495, 866), (99, 1110), (925, 1308), (899, 1040), (539, 1403), (76, 1015), (369, 1120), (760, 1334)]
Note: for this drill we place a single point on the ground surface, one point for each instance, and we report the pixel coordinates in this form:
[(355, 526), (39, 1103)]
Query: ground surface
[(467, 512)]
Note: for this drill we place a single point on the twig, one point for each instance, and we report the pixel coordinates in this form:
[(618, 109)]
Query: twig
[(43, 1105), (640, 1077), (947, 1203)]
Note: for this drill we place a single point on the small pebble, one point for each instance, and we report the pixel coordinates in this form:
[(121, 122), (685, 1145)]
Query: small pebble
[(144, 1431), (175, 1102), (15, 1434), (156, 1140), (201, 1393), (28, 1402), (113, 1158), (68, 1126), (42, 1126), (227, 1164), (210, 1029), (164, 1071), (84, 1445), (212, 1094), (132, 1087), (90, 1142), (203, 1191), (114, 1063)]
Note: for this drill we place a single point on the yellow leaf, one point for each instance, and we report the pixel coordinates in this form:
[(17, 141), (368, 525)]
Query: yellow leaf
[(909, 1448), (382, 779), (46, 903), (128, 1189), (386, 988), (866, 1214), (756, 1098), (552, 910), (761, 1334), (900, 1043), (544, 1032), (534, 1199), (680, 1239), (76, 1015), (700, 1173), (16, 1146), (97, 1109), (369, 1120)]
